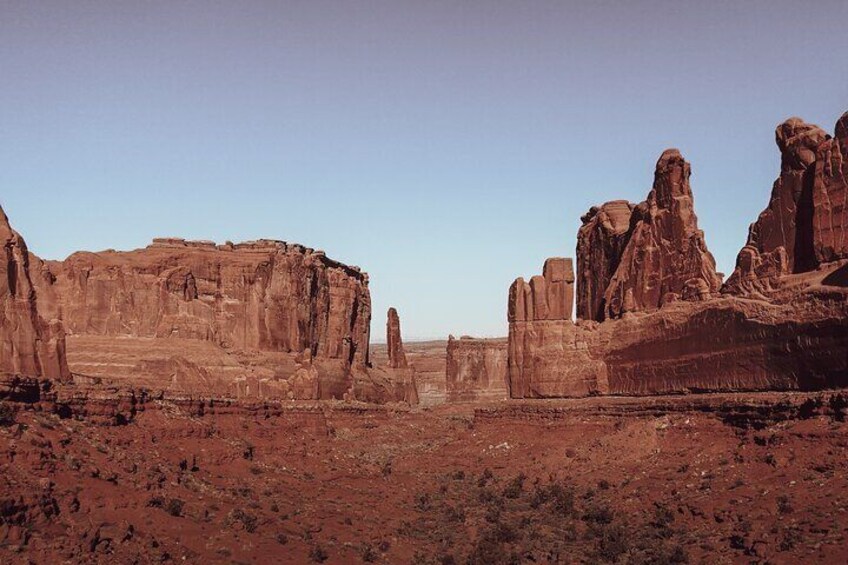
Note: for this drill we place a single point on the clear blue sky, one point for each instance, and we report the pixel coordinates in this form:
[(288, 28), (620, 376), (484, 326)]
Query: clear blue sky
[(445, 147)]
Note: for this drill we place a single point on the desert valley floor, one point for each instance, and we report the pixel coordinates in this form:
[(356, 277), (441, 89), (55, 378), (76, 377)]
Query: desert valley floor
[(723, 478)]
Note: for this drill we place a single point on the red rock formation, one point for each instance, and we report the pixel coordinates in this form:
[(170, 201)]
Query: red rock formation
[(549, 296), (830, 196), (394, 343), (781, 240), (263, 295), (534, 310), (600, 244), (28, 345), (723, 344), (666, 257), (798, 339), (476, 369), (255, 301)]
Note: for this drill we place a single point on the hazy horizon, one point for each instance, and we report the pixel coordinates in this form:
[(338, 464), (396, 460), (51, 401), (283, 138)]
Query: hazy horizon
[(446, 148)]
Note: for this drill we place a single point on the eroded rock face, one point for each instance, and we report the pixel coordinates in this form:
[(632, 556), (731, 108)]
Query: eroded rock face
[(263, 295), (678, 334), (29, 346), (282, 320), (830, 196), (723, 344), (476, 369), (394, 342), (549, 296), (665, 257), (780, 242), (600, 244)]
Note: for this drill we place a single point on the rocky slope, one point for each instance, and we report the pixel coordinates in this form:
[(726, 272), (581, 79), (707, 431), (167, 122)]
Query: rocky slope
[(114, 476)]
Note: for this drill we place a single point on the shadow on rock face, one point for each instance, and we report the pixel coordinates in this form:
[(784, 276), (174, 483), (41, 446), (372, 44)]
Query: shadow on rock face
[(839, 277)]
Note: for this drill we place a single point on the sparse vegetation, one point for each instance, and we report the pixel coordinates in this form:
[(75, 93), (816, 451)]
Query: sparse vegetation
[(318, 554), (7, 414)]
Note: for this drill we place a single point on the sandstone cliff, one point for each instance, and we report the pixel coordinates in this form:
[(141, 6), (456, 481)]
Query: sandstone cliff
[(476, 369), (549, 296), (263, 295), (258, 319), (29, 346), (830, 196)]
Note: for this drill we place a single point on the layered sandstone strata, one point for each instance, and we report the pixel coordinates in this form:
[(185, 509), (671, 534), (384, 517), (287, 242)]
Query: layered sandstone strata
[(476, 369), (799, 342), (262, 295), (29, 345), (564, 369), (286, 319)]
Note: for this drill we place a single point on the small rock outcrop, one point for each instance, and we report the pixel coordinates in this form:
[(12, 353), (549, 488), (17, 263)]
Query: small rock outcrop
[(394, 342), (29, 346)]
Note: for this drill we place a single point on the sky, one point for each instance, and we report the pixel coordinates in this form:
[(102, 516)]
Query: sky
[(446, 147)]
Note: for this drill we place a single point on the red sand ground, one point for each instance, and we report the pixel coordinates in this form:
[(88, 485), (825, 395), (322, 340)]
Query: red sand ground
[(712, 479)]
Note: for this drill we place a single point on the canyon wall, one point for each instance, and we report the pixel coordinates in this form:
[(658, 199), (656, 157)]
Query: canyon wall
[(476, 369), (261, 319), (263, 295), (29, 345), (651, 319)]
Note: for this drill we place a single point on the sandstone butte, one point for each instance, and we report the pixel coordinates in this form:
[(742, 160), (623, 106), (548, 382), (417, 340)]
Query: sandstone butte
[(261, 319), (652, 315)]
